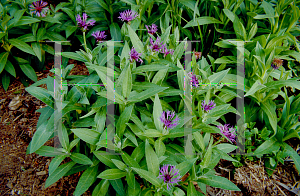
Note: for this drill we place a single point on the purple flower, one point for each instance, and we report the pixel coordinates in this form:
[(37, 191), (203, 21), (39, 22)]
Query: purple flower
[(99, 35), (151, 28), (229, 132), (156, 46), (197, 54), (209, 106), (165, 51), (128, 15), (39, 8), (167, 118), (83, 23), (171, 176), (194, 79), (276, 63), (134, 55)]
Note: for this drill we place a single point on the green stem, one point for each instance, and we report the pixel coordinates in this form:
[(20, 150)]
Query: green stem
[(84, 40)]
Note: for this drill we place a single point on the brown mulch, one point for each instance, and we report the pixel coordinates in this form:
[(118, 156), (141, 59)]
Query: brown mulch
[(22, 174)]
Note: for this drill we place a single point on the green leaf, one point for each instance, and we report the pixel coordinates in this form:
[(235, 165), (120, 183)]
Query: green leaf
[(157, 112), (50, 19), (152, 160), (81, 159), (124, 118), (115, 32), (10, 68), (146, 94), (48, 151), (185, 166), (138, 45), (5, 81), (218, 77), (119, 164), (29, 71), (254, 88), (106, 158), (37, 49), (22, 46), (191, 189), (118, 186), (294, 155), (58, 173), (41, 94), (129, 160), (55, 163), (41, 136), (73, 55), (149, 176), (160, 147), (86, 180), (269, 108), (267, 147), (227, 148), (3, 60), (202, 21), (25, 20), (101, 188), (112, 174), (219, 182), (151, 67), (127, 82), (88, 135)]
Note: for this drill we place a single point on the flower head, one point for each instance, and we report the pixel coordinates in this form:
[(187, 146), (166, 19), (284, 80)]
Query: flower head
[(39, 8), (171, 176), (135, 56), (99, 35), (167, 118), (157, 45), (194, 79), (83, 23), (197, 54), (276, 63), (165, 51), (229, 132), (128, 15), (151, 28), (209, 106)]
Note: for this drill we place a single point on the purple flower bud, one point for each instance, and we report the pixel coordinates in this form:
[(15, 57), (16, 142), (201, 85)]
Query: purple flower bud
[(151, 28), (209, 106), (167, 118), (134, 55), (39, 8), (128, 15), (99, 35), (194, 79), (276, 63), (83, 24), (171, 177)]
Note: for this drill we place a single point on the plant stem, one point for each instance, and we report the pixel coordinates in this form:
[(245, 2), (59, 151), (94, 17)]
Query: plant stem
[(84, 40)]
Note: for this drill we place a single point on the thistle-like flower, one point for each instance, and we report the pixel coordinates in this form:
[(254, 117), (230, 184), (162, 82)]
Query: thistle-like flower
[(167, 118), (209, 106), (128, 15), (135, 56), (229, 132), (99, 36), (83, 24), (194, 79), (151, 28), (39, 8), (157, 45), (197, 54), (171, 177), (276, 63), (165, 51)]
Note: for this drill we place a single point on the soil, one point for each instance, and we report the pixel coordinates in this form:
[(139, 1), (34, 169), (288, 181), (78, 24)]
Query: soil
[(22, 174)]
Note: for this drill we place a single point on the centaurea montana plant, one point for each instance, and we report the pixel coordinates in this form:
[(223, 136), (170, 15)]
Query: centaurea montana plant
[(157, 45), (229, 132), (194, 79), (134, 56), (171, 177), (128, 15), (39, 8), (151, 28), (168, 120), (165, 51), (99, 36), (83, 24)]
